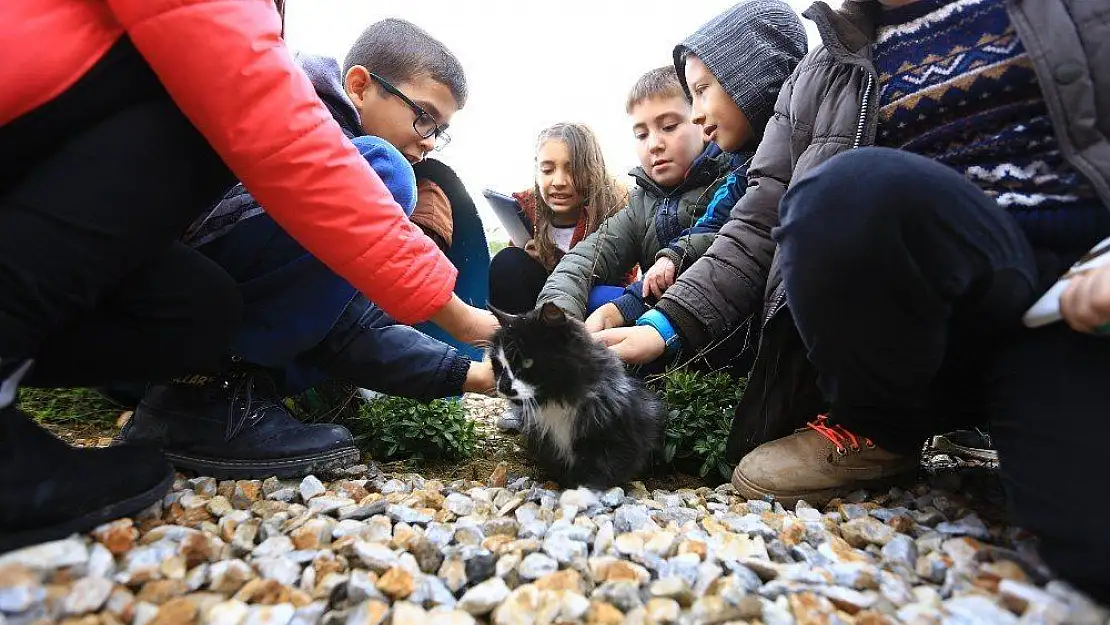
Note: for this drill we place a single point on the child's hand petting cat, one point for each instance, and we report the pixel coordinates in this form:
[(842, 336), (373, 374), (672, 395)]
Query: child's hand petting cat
[(660, 277), (636, 345), (1085, 304), (466, 323), (605, 317)]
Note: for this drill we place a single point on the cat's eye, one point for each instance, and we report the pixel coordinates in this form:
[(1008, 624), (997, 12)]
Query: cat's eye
[(527, 363)]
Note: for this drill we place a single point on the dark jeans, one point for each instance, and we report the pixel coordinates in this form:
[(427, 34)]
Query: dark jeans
[(95, 188), (369, 348), (515, 281), (907, 284)]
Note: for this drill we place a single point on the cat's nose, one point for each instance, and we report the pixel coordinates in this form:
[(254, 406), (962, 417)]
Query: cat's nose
[(505, 387)]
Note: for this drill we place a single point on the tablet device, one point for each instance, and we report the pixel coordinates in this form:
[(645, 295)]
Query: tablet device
[(509, 213)]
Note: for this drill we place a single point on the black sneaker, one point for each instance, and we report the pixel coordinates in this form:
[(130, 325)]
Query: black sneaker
[(236, 428), (49, 490), (973, 445)]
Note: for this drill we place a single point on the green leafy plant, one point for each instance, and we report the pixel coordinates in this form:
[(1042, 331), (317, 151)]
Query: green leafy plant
[(700, 411), (395, 428), (391, 428)]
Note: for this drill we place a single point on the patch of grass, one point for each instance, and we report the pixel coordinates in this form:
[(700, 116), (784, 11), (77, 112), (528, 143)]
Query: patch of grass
[(497, 246), (701, 408), (68, 406)]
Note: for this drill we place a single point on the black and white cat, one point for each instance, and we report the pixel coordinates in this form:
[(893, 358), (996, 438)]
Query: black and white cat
[(585, 421)]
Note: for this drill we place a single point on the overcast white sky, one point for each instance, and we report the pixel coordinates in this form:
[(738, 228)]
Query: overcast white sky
[(528, 64)]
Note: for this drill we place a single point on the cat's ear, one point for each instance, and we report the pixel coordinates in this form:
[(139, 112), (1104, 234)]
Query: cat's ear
[(552, 315), (504, 318)]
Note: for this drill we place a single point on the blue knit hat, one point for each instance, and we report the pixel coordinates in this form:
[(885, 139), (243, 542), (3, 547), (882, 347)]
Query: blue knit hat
[(751, 48), (392, 167)]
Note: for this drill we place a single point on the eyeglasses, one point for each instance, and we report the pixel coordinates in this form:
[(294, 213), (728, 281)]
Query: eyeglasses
[(425, 125)]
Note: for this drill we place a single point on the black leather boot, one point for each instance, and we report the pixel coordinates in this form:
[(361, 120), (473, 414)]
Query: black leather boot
[(235, 427), (49, 490)]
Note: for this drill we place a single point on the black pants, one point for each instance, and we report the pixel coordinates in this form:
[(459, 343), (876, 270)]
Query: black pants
[(95, 188), (515, 281), (907, 284)]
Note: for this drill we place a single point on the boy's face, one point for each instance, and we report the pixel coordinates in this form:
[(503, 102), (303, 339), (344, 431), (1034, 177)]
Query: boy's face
[(385, 115), (721, 120), (667, 142)]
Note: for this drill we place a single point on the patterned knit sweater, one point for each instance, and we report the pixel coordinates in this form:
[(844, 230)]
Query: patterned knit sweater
[(957, 85)]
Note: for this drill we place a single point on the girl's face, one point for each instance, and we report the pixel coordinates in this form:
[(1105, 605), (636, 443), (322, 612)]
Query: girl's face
[(553, 177), (722, 122)]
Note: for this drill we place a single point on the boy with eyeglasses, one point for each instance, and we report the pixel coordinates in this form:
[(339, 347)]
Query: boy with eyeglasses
[(303, 324), (405, 87)]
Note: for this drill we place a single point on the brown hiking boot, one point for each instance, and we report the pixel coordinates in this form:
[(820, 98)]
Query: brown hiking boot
[(817, 463)]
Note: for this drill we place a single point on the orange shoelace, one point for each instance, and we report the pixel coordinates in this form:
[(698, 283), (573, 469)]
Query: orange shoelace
[(839, 436)]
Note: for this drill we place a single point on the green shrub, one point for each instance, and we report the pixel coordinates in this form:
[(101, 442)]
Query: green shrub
[(394, 428), (391, 428), (700, 410), (497, 246)]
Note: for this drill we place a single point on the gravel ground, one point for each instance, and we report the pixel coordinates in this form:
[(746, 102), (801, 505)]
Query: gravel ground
[(379, 546), (373, 548)]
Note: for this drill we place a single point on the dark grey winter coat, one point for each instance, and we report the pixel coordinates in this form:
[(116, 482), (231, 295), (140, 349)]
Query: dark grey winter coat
[(828, 106)]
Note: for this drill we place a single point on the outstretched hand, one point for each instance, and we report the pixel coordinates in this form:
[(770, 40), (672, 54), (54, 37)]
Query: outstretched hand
[(636, 345), (480, 378), (466, 323)]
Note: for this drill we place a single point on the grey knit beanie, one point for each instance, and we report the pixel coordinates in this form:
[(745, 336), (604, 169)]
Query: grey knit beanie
[(751, 49)]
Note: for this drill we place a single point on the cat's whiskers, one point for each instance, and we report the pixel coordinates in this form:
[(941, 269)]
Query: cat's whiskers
[(529, 409)]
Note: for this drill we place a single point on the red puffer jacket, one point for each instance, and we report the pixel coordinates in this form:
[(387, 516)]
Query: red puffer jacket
[(224, 64)]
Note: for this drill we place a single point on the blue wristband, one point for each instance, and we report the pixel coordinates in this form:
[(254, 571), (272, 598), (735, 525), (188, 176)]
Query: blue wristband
[(663, 326)]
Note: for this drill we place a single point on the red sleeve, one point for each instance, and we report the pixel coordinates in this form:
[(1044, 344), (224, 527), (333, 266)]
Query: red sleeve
[(224, 64)]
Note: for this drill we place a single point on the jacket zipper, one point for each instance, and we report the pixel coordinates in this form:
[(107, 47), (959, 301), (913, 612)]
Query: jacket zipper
[(775, 305), (857, 142), (863, 110)]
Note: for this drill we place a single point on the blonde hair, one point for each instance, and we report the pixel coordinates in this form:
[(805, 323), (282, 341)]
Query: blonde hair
[(602, 194)]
